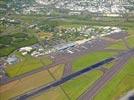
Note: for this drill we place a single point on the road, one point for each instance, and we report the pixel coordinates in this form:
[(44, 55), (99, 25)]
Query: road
[(91, 92), (97, 45), (63, 80), (64, 58)]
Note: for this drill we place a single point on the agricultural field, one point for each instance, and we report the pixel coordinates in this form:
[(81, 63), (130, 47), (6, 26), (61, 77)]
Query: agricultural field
[(119, 85), (18, 87)]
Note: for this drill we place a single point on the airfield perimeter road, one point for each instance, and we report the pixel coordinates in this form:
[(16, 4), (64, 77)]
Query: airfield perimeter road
[(64, 58), (91, 92)]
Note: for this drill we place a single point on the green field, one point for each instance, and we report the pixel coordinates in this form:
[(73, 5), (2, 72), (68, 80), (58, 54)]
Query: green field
[(91, 58), (119, 85), (130, 41), (54, 94), (15, 41), (27, 64), (120, 44), (74, 88), (109, 65), (28, 83)]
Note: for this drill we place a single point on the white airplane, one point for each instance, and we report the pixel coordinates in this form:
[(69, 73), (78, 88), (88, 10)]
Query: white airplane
[(84, 47), (70, 52)]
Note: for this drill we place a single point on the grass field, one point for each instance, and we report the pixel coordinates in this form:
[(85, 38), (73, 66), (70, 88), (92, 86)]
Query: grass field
[(54, 94), (119, 85), (130, 41), (91, 58), (25, 84), (73, 88), (27, 64), (76, 87), (109, 65), (120, 44)]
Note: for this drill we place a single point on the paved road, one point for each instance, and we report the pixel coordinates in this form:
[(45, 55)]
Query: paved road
[(63, 58), (91, 92), (63, 80)]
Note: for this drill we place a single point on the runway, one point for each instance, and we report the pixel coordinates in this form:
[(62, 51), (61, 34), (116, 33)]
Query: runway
[(63, 80), (64, 58), (121, 61)]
